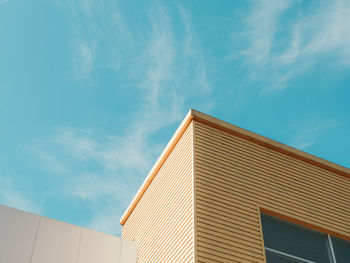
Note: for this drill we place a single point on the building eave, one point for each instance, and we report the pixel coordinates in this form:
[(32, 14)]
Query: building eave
[(156, 167), (237, 131)]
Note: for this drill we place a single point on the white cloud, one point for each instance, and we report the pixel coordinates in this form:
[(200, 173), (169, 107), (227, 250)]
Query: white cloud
[(101, 165), (308, 132), (106, 221), (14, 198), (100, 170), (193, 50), (99, 33), (86, 6), (83, 61), (326, 30), (262, 26), (112, 153), (108, 193), (278, 50), (49, 161), (80, 145), (90, 187), (159, 58)]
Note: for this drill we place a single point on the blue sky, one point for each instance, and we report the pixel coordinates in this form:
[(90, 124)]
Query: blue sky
[(91, 91)]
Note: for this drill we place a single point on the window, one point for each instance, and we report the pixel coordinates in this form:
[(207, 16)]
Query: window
[(289, 243)]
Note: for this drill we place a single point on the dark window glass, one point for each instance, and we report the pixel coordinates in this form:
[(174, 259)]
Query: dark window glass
[(272, 258), (295, 240), (341, 250)]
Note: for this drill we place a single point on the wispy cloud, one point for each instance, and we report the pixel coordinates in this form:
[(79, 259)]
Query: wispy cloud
[(106, 220), (113, 153), (99, 36), (308, 132), (14, 198), (276, 54), (95, 168), (261, 28), (103, 168), (90, 187), (83, 61), (86, 6), (48, 160), (193, 50)]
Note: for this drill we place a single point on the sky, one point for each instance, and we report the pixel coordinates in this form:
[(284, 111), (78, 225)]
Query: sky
[(92, 91)]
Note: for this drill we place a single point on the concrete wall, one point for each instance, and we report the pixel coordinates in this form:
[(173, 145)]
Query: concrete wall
[(30, 238)]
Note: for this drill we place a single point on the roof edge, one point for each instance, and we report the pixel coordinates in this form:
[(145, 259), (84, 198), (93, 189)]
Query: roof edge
[(269, 143), (235, 130), (159, 163)]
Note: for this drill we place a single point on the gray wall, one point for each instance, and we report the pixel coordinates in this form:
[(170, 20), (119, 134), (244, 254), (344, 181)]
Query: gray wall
[(30, 238)]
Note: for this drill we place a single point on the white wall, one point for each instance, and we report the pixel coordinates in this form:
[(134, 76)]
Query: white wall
[(30, 238)]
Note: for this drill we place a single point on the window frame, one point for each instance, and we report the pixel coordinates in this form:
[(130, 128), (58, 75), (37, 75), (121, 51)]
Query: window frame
[(332, 256), (288, 256)]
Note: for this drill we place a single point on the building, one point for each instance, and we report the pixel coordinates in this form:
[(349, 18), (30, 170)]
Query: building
[(219, 193), (30, 238)]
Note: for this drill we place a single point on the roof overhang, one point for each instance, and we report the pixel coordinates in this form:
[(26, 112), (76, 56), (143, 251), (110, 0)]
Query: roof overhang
[(237, 131)]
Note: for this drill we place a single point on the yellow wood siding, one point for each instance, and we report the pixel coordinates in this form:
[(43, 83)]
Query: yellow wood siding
[(162, 221), (234, 178)]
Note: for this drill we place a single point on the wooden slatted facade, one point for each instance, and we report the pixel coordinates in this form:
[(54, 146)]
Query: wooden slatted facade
[(218, 179), (162, 221)]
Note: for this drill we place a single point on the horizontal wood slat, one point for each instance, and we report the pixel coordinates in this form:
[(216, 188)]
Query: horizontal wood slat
[(162, 221), (285, 166), (234, 177), (201, 202)]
